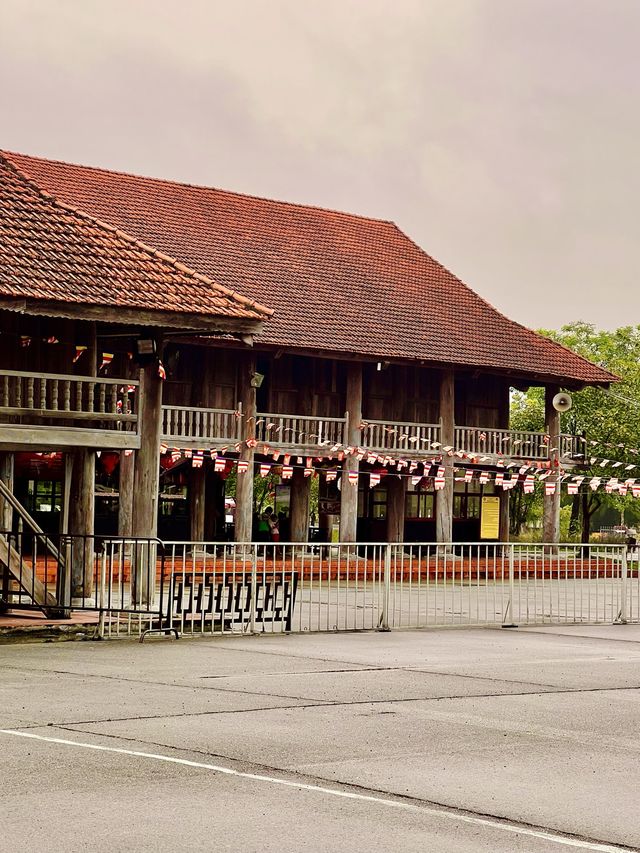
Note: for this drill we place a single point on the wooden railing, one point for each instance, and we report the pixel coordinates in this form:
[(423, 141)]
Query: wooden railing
[(513, 443), (300, 431), (399, 437), (200, 427), (26, 399)]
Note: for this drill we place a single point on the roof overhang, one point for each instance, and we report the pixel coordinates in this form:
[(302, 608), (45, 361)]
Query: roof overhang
[(175, 321)]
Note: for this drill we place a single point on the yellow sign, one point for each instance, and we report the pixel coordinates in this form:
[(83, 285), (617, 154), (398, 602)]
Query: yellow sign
[(490, 518)]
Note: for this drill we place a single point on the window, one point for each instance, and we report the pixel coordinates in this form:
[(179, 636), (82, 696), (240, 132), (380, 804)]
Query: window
[(379, 503), (419, 505), (45, 496)]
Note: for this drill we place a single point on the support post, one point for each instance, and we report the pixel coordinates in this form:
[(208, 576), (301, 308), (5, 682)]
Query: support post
[(396, 491), (300, 500), (6, 475), (504, 516), (349, 492), (197, 491), (126, 474), (444, 498), (82, 499), (244, 487), (551, 511), (147, 482), (81, 521)]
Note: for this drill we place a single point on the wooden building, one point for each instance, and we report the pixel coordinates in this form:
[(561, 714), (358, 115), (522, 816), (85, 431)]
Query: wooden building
[(140, 315)]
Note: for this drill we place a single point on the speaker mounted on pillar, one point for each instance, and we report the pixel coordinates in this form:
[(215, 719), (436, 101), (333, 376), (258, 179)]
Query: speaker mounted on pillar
[(562, 402)]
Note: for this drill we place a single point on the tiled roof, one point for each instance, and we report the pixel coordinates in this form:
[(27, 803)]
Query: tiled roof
[(338, 283), (50, 251)]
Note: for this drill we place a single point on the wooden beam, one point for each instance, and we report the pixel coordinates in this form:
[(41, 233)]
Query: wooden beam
[(444, 497), (147, 460), (126, 477), (171, 320), (349, 492), (59, 438), (244, 486)]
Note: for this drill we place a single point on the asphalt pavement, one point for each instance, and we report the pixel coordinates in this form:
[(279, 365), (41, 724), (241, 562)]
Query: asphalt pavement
[(453, 740)]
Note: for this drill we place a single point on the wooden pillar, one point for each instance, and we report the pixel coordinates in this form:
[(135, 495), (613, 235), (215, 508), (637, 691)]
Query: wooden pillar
[(299, 507), (504, 515), (126, 472), (146, 478), (551, 511), (146, 481), (349, 492), (244, 487), (82, 498), (197, 498), (396, 492), (444, 497), (81, 520), (6, 475)]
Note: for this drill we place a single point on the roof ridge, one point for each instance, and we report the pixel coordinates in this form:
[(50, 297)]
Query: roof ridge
[(486, 302), (5, 157), (204, 187)]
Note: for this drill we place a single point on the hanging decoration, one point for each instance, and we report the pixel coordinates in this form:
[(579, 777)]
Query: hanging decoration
[(107, 358)]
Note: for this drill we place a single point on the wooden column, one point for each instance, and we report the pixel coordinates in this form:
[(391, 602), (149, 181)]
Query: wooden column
[(244, 487), (81, 520), (82, 498), (147, 460), (146, 483), (126, 474), (551, 512), (348, 492), (197, 502), (396, 492), (444, 498), (504, 515), (300, 500), (6, 475)]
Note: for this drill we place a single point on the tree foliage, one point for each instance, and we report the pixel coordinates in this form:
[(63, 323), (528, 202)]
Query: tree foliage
[(606, 417)]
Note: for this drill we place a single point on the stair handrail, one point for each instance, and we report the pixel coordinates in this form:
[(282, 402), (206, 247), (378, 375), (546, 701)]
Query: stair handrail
[(8, 495)]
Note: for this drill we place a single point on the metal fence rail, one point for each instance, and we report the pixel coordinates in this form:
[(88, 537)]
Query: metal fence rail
[(218, 588)]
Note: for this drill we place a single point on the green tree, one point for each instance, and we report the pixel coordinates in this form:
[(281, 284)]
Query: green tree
[(604, 417)]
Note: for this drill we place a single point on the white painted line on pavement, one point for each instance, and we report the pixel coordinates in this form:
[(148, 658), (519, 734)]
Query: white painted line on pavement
[(334, 792)]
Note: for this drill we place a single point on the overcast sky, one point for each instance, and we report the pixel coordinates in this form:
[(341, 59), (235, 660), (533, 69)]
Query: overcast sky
[(501, 135)]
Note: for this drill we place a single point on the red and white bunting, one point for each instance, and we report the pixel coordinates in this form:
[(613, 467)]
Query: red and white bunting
[(188, 453), (107, 358), (265, 468), (276, 456), (176, 456), (197, 460), (529, 485), (220, 464), (550, 487), (352, 477), (331, 475), (309, 462), (308, 472), (243, 466), (572, 488), (484, 477), (287, 472), (438, 483), (286, 459), (468, 475), (79, 351), (635, 490), (595, 483), (374, 479), (499, 478)]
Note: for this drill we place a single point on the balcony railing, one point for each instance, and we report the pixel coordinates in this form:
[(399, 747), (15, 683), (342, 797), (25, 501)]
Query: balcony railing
[(60, 403), (514, 444), (299, 431), (413, 438), (185, 426)]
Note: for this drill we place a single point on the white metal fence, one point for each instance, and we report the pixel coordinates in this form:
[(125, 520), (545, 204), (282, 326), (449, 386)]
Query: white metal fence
[(221, 588)]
